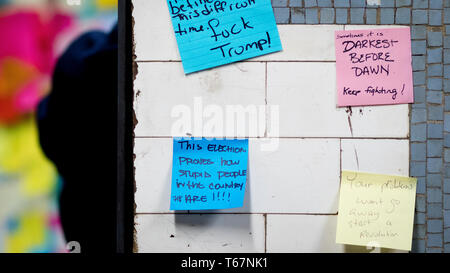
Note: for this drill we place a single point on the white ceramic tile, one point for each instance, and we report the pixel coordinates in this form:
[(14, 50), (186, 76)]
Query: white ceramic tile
[(200, 233), (300, 176), (153, 171), (154, 38), (384, 121), (302, 233), (384, 156), (309, 234), (305, 43), (162, 88)]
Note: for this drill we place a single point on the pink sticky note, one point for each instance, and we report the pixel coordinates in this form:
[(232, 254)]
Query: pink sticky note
[(373, 67)]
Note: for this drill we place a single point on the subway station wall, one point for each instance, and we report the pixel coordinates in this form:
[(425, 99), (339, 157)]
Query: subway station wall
[(291, 198)]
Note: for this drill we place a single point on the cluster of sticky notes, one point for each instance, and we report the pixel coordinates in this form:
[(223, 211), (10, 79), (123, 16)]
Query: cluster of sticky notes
[(208, 173), (373, 67), (214, 33), (376, 210)]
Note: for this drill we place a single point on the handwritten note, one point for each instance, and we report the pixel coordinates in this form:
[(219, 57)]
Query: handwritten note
[(211, 33), (373, 67), (208, 174), (376, 210)]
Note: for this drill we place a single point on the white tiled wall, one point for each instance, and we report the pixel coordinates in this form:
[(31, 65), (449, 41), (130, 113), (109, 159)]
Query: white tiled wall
[(291, 197)]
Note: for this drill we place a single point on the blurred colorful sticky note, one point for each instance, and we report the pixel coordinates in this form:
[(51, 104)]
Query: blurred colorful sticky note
[(373, 67), (208, 174), (376, 210), (214, 33), (107, 4)]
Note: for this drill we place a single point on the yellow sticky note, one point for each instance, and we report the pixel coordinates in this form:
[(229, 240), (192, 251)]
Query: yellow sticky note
[(376, 210)]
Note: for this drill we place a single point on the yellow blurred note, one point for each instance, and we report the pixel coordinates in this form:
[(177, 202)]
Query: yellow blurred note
[(376, 210), (107, 4)]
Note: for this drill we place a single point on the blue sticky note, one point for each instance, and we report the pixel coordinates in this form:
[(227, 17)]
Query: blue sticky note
[(208, 174), (211, 33)]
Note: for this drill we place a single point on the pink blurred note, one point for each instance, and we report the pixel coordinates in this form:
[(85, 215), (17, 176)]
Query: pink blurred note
[(373, 67)]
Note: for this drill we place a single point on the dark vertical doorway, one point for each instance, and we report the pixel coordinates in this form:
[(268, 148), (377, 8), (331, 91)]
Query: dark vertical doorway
[(125, 184)]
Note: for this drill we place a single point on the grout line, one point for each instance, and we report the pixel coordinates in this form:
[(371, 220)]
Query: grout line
[(340, 169), (265, 233), (246, 61), (295, 137), (237, 213), (267, 112), (340, 160)]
